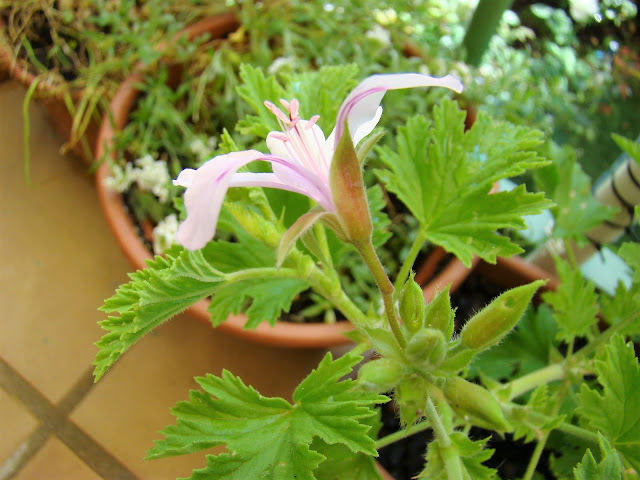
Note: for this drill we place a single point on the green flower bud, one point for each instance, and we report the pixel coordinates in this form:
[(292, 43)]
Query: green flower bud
[(347, 185), (491, 324), (412, 305), (439, 315), (427, 348), (476, 404), (380, 375), (411, 398)]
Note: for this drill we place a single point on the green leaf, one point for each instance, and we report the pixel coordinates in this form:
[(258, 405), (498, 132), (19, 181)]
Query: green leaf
[(444, 176), (540, 401), (527, 349), (615, 411), (471, 453), (630, 147), (576, 211), (618, 308), (268, 437), (269, 297), (255, 89), (155, 294), (321, 92), (575, 303), (339, 459), (630, 253), (608, 469)]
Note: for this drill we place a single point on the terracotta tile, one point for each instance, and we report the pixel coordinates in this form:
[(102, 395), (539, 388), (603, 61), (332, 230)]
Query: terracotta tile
[(56, 462), (60, 259), (16, 423), (135, 396)]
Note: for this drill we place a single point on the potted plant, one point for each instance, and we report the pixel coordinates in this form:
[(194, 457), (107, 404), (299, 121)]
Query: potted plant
[(72, 55), (149, 213), (575, 400)]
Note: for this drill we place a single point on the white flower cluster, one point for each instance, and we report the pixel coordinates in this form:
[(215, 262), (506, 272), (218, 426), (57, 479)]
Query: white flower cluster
[(203, 150), (150, 175), (165, 233)]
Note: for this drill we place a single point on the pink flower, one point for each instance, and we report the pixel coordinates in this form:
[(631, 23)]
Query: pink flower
[(300, 155)]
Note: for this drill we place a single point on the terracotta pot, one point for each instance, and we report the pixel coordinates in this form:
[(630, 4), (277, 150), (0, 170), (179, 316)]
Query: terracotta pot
[(51, 97), (284, 334), (515, 271)]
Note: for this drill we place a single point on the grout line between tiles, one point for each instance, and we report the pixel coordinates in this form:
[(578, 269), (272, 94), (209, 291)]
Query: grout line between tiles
[(54, 421), (24, 453)]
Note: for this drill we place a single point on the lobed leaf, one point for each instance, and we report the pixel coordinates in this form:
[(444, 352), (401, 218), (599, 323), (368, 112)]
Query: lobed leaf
[(268, 437), (444, 175), (615, 411)]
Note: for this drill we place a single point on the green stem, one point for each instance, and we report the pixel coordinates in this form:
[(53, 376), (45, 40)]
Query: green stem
[(528, 382), (535, 457), (414, 251), (450, 456), (400, 434), (368, 254), (484, 23)]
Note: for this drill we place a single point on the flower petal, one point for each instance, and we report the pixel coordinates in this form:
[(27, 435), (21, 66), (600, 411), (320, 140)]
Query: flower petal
[(206, 188), (360, 107)]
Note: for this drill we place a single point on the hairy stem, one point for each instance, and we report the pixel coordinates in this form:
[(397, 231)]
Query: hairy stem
[(529, 382), (368, 254), (414, 251), (450, 455), (400, 434)]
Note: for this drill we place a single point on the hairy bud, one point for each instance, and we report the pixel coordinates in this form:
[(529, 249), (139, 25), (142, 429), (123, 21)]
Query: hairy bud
[(438, 313), (491, 324), (427, 348), (380, 375), (475, 403), (411, 305)]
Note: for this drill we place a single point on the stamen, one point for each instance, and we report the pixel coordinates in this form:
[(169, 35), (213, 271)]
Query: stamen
[(312, 121), (285, 104), (277, 112), (294, 108), (280, 136)]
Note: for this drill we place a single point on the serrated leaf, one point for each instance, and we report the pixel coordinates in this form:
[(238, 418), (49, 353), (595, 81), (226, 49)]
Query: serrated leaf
[(615, 411), (630, 253), (268, 437), (341, 463), (608, 469), (255, 89), (576, 210), (444, 176), (269, 298), (472, 454), (574, 303), (153, 295), (321, 92), (618, 308), (542, 402)]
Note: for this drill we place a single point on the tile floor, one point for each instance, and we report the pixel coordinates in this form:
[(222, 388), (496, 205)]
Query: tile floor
[(59, 262)]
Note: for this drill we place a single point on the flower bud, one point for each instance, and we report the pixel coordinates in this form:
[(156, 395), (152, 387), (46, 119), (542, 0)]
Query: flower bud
[(411, 305), (380, 375), (475, 403), (491, 324), (348, 190), (438, 313), (427, 348)]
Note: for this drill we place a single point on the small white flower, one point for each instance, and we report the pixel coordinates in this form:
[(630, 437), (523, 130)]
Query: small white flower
[(120, 179), (583, 10), (165, 234), (153, 176), (380, 34), (281, 63)]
